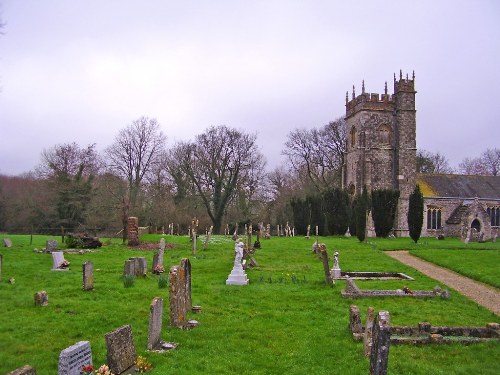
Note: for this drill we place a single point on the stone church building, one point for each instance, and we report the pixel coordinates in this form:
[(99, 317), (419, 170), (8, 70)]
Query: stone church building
[(381, 153)]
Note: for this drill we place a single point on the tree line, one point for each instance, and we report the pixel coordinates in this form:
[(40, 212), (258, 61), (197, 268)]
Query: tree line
[(219, 177)]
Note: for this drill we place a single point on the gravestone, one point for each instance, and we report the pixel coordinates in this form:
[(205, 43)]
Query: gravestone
[(41, 298), (51, 245), (177, 298), (237, 275), (161, 251), (155, 323), (88, 275), (57, 261), (368, 334), (156, 263), (129, 268), (351, 287), (25, 370), (185, 268), (379, 356), (72, 359), (7, 242), (355, 320), (121, 350), (336, 273), (133, 231)]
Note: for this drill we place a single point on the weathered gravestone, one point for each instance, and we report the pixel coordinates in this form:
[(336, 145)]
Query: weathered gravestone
[(88, 275), (133, 231), (355, 320), (72, 359), (379, 356), (58, 261), (155, 323), (177, 298), (25, 370), (51, 245), (136, 266), (7, 242), (185, 269), (41, 298), (121, 349), (368, 334), (129, 268)]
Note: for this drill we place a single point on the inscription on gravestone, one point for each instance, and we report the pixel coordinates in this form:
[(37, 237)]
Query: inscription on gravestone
[(121, 349), (73, 358)]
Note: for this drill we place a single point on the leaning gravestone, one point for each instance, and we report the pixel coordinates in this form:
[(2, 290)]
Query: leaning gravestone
[(121, 350), (41, 298), (72, 359), (155, 323), (7, 242), (25, 370), (51, 245), (58, 259), (88, 275)]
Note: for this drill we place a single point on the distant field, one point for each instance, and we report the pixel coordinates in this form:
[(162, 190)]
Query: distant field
[(286, 321)]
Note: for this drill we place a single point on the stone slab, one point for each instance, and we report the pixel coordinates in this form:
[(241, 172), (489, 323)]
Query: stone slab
[(121, 349), (73, 358), (88, 275)]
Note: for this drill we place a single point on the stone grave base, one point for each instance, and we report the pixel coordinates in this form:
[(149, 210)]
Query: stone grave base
[(163, 347), (356, 275)]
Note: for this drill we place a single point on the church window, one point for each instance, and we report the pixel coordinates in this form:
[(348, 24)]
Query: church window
[(384, 134), (353, 137), (434, 218), (494, 213)]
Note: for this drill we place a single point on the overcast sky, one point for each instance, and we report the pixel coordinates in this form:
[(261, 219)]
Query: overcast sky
[(81, 70)]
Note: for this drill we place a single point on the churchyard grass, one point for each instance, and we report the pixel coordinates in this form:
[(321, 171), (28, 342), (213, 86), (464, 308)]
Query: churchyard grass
[(262, 328)]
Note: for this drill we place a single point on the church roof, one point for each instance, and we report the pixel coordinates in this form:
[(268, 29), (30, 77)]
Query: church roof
[(459, 186)]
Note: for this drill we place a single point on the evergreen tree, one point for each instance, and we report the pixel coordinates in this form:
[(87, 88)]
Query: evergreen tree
[(361, 204), (384, 204), (416, 213)]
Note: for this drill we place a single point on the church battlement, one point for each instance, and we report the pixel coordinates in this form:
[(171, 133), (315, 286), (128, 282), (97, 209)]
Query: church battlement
[(378, 102)]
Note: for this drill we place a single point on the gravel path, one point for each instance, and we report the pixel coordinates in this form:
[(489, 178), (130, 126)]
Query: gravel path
[(484, 295)]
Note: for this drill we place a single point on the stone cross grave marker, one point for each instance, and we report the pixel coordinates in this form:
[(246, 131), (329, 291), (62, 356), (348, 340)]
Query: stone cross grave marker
[(51, 245), (7, 242), (121, 350), (73, 358), (41, 298), (88, 275), (25, 370), (379, 356), (155, 323), (58, 259)]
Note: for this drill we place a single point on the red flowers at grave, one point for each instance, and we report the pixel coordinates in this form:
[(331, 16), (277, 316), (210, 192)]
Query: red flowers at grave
[(64, 264), (88, 369)]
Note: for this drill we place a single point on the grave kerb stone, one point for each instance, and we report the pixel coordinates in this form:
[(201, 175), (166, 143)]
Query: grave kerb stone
[(25, 370), (73, 358)]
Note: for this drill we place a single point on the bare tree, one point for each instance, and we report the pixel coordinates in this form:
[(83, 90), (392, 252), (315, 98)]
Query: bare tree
[(219, 163), (430, 162), (488, 164), (318, 153), (135, 151)]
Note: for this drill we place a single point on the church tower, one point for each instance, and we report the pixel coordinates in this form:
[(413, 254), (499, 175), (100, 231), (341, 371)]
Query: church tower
[(381, 144)]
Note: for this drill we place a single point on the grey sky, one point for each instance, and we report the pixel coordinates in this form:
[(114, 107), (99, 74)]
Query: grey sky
[(81, 70)]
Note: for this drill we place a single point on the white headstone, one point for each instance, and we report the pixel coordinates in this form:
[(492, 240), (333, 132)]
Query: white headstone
[(72, 359), (58, 259), (237, 275)]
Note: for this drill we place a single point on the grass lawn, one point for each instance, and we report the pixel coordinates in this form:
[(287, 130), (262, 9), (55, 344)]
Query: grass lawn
[(285, 321)]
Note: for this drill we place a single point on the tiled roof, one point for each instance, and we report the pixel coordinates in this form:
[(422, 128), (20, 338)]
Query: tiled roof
[(459, 186)]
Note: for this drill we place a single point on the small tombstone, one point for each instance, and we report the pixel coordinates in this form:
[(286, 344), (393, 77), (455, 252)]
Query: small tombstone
[(379, 356), (41, 298), (88, 275), (141, 266), (121, 349), (51, 245), (155, 323), (72, 359), (129, 268), (355, 320), (59, 263), (347, 233), (161, 251), (156, 263), (25, 370), (7, 242), (368, 334)]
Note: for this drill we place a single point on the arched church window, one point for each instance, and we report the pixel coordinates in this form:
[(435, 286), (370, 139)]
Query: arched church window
[(434, 215), (353, 137), (494, 213), (384, 134)]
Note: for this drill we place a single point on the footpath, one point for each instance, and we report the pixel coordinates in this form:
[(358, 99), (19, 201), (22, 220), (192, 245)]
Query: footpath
[(484, 295)]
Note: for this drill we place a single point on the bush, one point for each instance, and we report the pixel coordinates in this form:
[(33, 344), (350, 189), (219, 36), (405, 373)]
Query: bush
[(384, 204)]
